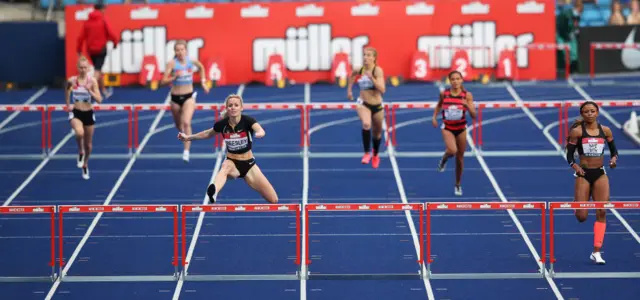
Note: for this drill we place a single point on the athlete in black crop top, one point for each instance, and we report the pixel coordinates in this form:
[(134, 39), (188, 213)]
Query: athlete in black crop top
[(237, 131), (589, 137)]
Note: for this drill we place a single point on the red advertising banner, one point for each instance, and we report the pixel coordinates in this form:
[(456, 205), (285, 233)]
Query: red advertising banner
[(242, 36)]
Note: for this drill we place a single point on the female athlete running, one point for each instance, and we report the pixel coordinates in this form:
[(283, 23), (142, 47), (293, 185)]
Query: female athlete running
[(179, 72), (454, 103), (82, 89), (370, 79), (588, 137), (237, 130)]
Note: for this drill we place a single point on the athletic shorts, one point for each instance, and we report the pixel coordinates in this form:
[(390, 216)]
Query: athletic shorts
[(243, 166), (180, 99), (87, 118)]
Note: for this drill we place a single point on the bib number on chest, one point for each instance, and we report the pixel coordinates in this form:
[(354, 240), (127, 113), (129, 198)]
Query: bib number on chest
[(592, 146), (236, 141), (453, 113)]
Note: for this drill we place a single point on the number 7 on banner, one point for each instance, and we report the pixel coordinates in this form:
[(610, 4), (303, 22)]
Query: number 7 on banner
[(149, 71)]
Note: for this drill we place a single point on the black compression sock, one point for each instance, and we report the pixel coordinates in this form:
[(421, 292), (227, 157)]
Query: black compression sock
[(376, 145), (366, 140), (211, 191)]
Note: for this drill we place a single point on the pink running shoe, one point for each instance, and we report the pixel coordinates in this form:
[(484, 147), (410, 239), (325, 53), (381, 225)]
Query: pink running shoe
[(366, 158), (376, 161)]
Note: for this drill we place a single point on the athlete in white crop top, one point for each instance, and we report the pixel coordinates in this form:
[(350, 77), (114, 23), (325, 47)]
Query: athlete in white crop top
[(179, 73), (238, 131), (82, 90), (371, 82)]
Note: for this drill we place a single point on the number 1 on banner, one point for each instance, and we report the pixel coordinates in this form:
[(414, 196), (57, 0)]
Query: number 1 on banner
[(506, 65)]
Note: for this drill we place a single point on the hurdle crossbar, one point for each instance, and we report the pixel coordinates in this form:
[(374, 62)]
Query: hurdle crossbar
[(431, 206), (585, 205), (51, 210), (240, 208), (363, 207), (66, 209)]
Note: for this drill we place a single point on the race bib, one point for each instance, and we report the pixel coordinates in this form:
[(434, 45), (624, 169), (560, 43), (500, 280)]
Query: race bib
[(453, 113), (236, 141), (593, 146)]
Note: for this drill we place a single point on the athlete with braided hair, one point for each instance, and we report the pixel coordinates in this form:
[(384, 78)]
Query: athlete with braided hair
[(588, 137)]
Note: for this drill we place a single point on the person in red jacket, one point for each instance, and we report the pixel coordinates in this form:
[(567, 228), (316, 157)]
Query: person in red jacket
[(96, 32)]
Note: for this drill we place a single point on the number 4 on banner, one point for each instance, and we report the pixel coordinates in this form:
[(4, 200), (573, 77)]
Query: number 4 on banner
[(149, 72), (215, 72), (340, 69)]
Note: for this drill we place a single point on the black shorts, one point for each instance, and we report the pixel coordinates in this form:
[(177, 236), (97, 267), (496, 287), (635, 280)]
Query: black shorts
[(180, 99), (86, 117), (591, 175), (373, 108), (456, 132), (243, 166), (98, 59)]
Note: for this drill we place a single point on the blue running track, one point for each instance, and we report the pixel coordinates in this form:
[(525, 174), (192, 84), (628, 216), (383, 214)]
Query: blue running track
[(521, 164)]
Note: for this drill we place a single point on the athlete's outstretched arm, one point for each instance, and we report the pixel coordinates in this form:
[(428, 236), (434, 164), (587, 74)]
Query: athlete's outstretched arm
[(259, 131), (202, 135), (470, 106)]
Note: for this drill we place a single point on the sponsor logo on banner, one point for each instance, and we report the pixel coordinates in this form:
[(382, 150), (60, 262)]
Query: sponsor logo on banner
[(308, 36), (622, 58)]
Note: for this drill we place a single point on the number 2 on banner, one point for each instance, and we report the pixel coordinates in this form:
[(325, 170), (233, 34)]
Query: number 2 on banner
[(214, 72), (341, 70), (421, 68), (151, 70), (461, 66)]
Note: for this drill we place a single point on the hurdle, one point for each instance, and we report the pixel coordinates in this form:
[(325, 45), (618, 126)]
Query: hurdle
[(239, 208), (31, 108), (585, 205), (438, 206), (363, 207), (51, 210), (96, 107), (66, 209)]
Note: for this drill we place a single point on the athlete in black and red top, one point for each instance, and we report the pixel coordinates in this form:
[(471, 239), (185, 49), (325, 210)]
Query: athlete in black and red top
[(588, 137), (238, 131), (454, 103)]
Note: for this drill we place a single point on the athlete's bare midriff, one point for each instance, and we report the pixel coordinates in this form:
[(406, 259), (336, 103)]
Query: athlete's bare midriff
[(372, 97)]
